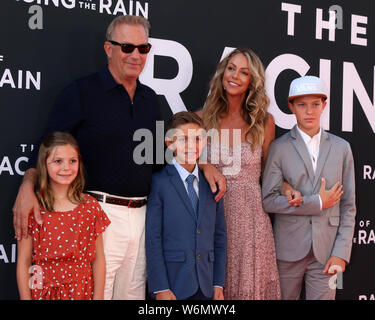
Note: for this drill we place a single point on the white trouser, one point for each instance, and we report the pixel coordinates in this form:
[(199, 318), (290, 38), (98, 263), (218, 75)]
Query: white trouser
[(124, 249)]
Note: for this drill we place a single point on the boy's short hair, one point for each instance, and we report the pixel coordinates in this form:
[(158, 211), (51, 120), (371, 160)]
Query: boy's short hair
[(184, 117)]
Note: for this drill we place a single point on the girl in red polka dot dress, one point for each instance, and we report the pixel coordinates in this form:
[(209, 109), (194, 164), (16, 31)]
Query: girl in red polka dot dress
[(62, 259)]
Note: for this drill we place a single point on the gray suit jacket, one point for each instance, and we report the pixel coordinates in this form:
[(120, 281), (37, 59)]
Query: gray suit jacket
[(329, 232)]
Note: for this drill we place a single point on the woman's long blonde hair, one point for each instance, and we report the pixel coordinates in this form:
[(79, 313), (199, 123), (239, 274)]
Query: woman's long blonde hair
[(42, 187), (254, 108)]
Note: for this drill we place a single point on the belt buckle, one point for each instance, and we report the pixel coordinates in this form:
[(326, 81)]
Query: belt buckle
[(130, 201)]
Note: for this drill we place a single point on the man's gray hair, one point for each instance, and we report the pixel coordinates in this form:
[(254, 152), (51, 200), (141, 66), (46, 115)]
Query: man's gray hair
[(129, 20)]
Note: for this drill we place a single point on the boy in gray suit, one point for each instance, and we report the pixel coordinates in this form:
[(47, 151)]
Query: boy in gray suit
[(313, 241)]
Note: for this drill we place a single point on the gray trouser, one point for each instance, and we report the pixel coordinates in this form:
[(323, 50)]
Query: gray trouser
[(309, 269)]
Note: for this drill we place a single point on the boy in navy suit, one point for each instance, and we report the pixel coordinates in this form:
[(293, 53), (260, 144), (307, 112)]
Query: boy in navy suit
[(185, 226)]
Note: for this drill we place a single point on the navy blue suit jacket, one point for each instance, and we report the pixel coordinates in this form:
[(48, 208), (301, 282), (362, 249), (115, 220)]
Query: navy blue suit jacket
[(183, 252)]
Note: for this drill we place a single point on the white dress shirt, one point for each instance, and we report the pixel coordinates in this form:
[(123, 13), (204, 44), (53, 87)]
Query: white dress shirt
[(313, 145)]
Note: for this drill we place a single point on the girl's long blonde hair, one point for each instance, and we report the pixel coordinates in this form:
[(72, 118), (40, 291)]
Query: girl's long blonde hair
[(254, 108), (42, 187)]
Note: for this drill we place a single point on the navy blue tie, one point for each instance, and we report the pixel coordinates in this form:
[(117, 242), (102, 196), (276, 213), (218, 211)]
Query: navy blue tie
[(192, 194)]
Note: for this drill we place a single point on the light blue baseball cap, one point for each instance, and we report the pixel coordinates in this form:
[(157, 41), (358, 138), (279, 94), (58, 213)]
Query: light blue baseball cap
[(307, 85)]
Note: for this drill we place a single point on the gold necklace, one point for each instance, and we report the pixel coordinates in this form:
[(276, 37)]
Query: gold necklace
[(60, 197)]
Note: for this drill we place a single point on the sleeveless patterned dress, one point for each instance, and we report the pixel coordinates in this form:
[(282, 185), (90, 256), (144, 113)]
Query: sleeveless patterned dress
[(251, 272)]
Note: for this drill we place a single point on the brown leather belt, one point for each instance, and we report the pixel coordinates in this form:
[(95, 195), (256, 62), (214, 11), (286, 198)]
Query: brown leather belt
[(118, 201)]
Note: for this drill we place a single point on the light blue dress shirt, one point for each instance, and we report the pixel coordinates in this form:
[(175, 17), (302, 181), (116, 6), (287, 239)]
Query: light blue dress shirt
[(184, 174)]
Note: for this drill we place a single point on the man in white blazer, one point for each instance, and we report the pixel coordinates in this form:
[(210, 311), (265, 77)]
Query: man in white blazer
[(314, 240)]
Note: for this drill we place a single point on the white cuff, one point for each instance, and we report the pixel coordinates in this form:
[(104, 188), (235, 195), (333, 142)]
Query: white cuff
[(320, 201), (161, 291)]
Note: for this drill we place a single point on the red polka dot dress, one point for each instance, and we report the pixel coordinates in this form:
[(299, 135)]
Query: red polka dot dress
[(63, 248)]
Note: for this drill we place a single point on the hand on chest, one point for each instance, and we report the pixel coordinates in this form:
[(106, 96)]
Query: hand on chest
[(304, 170)]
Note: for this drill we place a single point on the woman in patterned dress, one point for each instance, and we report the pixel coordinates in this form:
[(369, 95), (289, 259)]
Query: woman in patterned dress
[(65, 254), (237, 107)]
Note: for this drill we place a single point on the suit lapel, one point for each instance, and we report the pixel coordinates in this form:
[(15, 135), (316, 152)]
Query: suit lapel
[(203, 194), (301, 148), (324, 148), (180, 188)]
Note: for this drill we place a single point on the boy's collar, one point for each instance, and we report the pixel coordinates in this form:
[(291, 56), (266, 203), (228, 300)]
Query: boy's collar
[(183, 172), (306, 137)]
